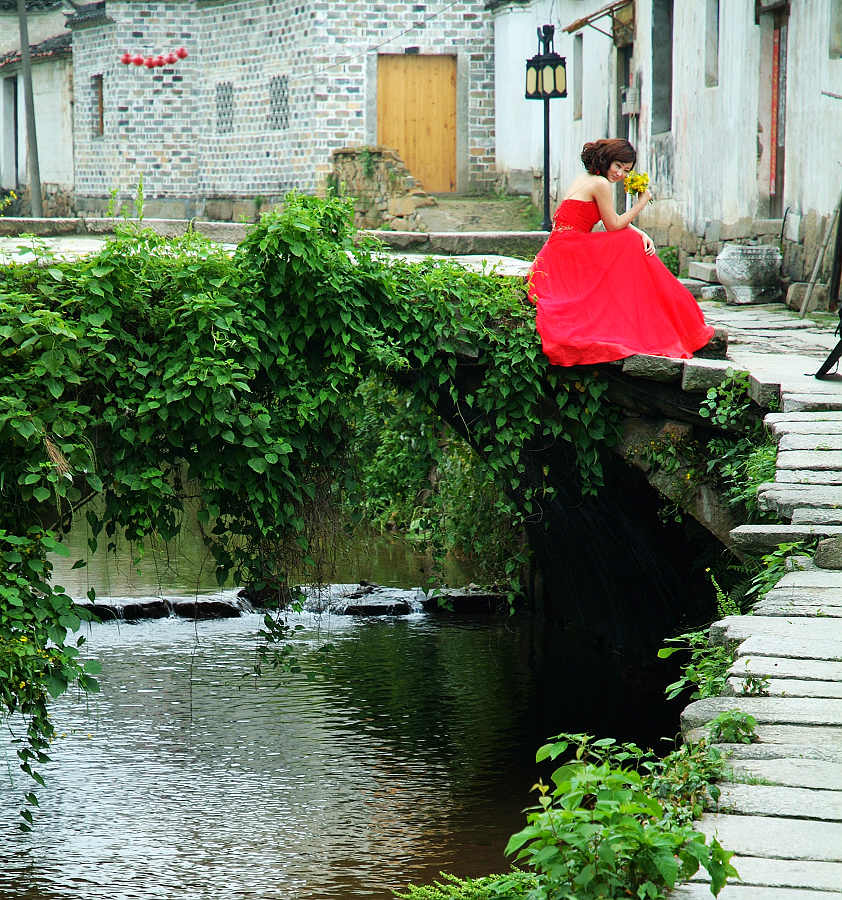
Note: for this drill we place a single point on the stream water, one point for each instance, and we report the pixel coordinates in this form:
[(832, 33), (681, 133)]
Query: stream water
[(405, 746)]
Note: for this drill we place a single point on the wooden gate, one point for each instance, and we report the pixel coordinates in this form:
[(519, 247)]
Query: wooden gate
[(416, 115)]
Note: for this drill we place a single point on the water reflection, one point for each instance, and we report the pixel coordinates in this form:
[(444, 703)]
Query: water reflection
[(405, 749)]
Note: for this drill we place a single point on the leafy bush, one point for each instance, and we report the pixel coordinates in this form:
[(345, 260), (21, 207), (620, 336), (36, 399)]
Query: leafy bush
[(669, 257), (490, 887), (733, 727), (600, 830), (161, 369)]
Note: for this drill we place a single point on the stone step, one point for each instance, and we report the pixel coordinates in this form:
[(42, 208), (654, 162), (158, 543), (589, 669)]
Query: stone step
[(757, 873), (774, 711), (806, 515), (776, 800), (810, 402), (832, 441), (769, 536), (816, 416), (785, 498), (809, 459), (805, 773), (769, 837), (813, 752), (733, 891), (812, 610), (794, 647), (786, 687), (807, 476), (741, 628), (701, 374), (811, 578), (788, 669), (809, 426)]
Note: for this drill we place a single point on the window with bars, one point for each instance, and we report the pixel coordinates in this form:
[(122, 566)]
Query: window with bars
[(225, 107), (712, 43), (97, 107), (279, 102)]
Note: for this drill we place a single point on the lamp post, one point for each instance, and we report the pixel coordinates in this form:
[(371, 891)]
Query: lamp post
[(546, 78)]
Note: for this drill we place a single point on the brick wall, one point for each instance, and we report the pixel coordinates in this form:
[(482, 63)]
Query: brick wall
[(270, 88)]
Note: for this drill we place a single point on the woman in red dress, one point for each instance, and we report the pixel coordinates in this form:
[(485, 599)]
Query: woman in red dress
[(605, 295)]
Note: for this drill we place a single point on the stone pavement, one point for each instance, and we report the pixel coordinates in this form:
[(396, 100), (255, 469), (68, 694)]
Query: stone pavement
[(781, 808)]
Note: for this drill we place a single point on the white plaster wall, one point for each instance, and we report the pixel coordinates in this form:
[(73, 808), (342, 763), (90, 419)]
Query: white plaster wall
[(41, 25), (714, 128), (520, 122), (813, 170), (719, 159), (52, 92)]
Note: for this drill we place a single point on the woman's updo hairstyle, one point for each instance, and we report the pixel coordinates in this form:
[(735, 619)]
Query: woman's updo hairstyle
[(597, 156)]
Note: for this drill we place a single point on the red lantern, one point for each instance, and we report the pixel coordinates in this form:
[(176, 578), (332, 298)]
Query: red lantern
[(181, 53), (149, 62), (126, 59), (171, 58), (160, 61), (138, 60)]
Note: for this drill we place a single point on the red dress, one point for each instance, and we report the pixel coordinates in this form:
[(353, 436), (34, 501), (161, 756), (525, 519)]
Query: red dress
[(600, 297)]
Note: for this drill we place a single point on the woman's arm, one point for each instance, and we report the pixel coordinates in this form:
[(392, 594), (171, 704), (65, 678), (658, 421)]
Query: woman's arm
[(648, 243), (604, 200)]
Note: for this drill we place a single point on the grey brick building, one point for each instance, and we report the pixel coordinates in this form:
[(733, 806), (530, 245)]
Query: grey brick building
[(268, 89)]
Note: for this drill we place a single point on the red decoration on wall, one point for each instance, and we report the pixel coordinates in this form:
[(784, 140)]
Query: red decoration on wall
[(152, 62)]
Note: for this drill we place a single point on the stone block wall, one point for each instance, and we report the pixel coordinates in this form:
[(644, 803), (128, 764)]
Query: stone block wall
[(384, 191), (270, 88)]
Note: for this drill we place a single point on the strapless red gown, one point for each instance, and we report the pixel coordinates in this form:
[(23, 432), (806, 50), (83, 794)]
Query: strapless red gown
[(600, 297)]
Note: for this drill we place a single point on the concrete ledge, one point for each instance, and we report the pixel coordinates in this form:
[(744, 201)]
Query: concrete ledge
[(771, 535)]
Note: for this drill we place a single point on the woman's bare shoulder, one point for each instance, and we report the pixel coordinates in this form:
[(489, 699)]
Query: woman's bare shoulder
[(585, 187)]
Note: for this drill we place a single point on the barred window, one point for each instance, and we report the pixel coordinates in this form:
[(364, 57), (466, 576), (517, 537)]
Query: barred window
[(97, 107), (279, 102), (225, 107)]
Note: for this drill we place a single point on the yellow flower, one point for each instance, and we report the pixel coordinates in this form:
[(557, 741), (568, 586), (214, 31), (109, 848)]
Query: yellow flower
[(22, 685), (23, 640), (636, 182)]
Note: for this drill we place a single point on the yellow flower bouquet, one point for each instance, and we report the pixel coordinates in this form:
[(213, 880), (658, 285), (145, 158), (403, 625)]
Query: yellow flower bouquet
[(636, 182)]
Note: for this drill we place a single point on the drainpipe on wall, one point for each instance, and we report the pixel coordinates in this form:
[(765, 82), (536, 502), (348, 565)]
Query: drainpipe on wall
[(29, 104)]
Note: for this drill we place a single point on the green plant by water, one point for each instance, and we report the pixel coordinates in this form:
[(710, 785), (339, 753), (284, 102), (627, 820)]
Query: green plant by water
[(165, 369)]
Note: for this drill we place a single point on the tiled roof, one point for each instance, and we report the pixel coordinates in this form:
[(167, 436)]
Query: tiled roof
[(54, 46), (87, 14), (31, 5)]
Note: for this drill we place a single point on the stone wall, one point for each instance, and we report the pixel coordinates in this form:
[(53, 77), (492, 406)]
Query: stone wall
[(385, 192), (269, 90)]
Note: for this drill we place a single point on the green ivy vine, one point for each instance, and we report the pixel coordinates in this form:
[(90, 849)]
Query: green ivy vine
[(166, 370)]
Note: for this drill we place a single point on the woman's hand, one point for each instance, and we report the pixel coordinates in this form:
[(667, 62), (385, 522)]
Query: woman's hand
[(646, 196), (648, 243)]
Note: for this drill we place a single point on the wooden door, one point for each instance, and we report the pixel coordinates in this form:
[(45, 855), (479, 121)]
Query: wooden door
[(416, 115)]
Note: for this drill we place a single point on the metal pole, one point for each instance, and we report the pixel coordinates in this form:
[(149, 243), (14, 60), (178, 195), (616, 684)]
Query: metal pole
[(547, 225), (29, 103)]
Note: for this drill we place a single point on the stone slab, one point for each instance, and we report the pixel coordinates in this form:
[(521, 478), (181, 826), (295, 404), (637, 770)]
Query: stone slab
[(777, 800), (772, 535), (740, 628), (702, 271), (803, 593), (804, 773), (827, 737), (770, 837), (807, 476), (812, 610), (780, 645), (701, 374), (811, 578), (774, 711), (809, 459), (813, 752), (653, 368), (807, 426), (789, 687), (785, 498), (781, 418), (783, 874), (701, 891), (782, 668), (805, 515), (810, 402), (830, 441)]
